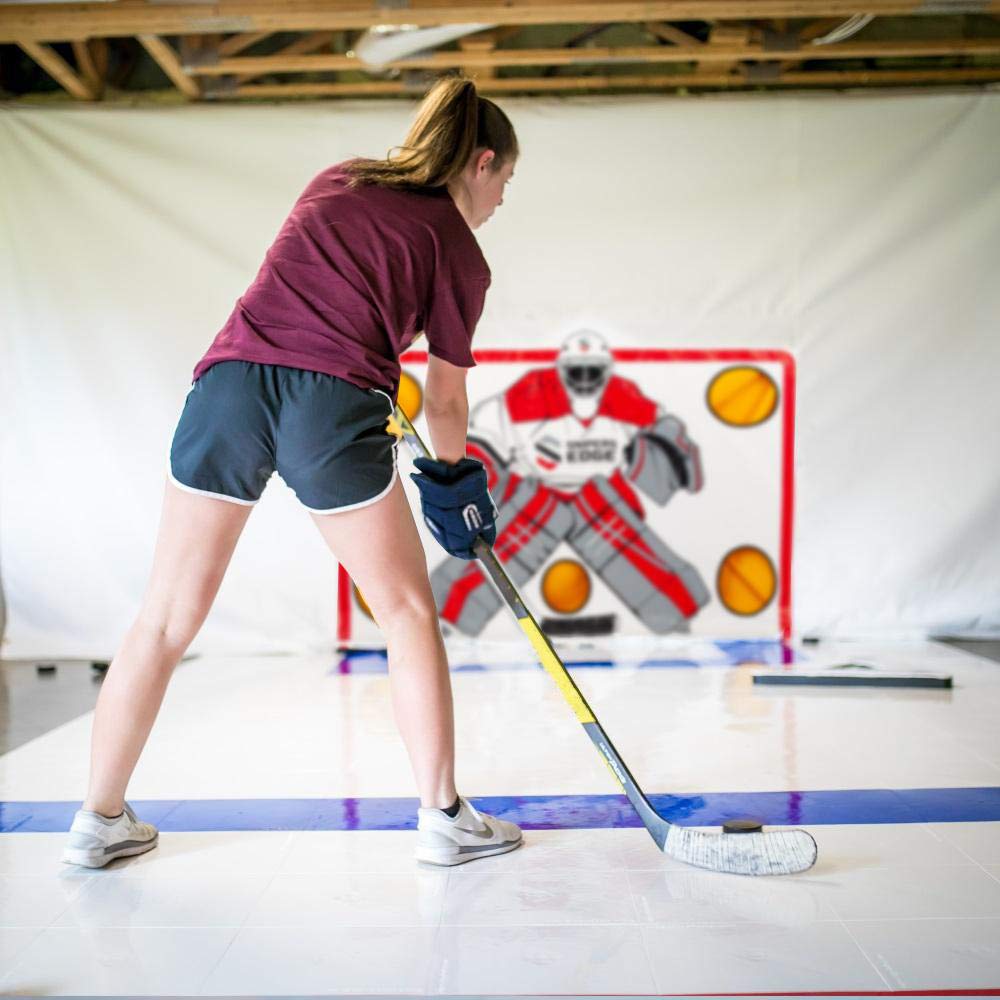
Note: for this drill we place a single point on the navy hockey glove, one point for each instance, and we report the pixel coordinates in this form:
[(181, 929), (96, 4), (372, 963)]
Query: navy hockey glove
[(456, 504)]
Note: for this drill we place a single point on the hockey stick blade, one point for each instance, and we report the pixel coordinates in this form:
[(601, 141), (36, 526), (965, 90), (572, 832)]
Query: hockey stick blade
[(775, 852), (771, 852)]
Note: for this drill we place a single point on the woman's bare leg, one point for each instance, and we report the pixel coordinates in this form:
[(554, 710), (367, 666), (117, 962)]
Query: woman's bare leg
[(379, 547), (195, 543)]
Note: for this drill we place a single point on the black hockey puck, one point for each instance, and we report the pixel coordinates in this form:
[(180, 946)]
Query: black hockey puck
[(45, 668), (99, 665), (745, 825)]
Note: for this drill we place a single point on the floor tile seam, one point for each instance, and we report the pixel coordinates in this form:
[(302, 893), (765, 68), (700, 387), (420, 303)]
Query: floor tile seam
[(225, 951), (87, 926), (235, 935), (634, 896), (928, 827), (415, 925), (85, 884), (20, 955), (972, 863), (429, 988), (443, 896), (962, 850), (580, 870), (868, 958), (312, 924), (429, 971), (730, 923), (975, 753), (555, 871), (194, 875), (650, 968), (888, 920), (927, 866), (547, 923)]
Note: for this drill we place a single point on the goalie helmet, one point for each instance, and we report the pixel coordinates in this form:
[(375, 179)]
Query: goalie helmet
[(584, 363)]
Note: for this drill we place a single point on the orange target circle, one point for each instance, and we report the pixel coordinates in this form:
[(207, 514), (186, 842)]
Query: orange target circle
[(410, 399), (743, 396), (410, 396), (746, 581), (566, 586)]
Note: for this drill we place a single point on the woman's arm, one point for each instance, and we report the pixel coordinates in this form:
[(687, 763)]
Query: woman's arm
[(446, 405)]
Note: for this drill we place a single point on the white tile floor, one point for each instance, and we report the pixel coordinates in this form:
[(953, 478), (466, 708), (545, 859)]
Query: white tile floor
[(887, 907)]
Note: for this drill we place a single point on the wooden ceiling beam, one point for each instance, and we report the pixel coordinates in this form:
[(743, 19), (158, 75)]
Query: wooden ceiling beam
[(68, 21), (237, 43), (480, 44), (721, 38), (671, 34), (714, 54), (88, 68), (300, 47), (59, 70), (662, 82), (818, 28), (166, 59)]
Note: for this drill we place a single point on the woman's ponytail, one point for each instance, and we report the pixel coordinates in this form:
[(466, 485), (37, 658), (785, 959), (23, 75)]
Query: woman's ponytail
[(451, 123)]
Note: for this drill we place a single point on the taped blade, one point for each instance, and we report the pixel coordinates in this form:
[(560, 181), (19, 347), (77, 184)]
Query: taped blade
[(771, 852)]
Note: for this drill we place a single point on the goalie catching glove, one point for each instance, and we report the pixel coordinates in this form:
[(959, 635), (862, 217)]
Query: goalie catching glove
[(662, 459), (456, 504)]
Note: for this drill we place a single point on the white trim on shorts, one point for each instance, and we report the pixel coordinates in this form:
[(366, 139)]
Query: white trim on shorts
[(378, 496), (208, 493), (392, 409), (362, 503)]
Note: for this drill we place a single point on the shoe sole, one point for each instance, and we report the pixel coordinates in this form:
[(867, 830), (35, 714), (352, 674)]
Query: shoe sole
[(93, 859), (445, 857)]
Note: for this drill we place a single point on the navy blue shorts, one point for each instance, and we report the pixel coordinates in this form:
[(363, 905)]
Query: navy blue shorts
[(327, 438)]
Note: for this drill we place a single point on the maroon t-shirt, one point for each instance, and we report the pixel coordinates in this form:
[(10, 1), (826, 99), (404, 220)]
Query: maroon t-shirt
[(353, 277)]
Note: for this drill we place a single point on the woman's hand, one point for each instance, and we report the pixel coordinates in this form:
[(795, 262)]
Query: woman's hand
[(456, 504)]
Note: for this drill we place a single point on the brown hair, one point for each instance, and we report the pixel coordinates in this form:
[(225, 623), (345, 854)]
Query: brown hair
[(451, 123)]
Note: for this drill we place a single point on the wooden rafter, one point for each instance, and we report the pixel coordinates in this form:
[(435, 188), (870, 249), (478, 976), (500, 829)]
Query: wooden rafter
[(301, 46), (666, 82), (237, 43), (709, 54), (59, 70), (817, 28), (197, 48), (67, 21), (166, 59), (722, 38), (481, 43), (88, 68), (671, 34)]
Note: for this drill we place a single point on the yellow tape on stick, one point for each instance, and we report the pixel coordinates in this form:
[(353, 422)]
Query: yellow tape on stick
[(556, 670)]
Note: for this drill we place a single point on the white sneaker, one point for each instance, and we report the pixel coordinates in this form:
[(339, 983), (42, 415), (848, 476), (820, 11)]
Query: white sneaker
[(94, 840), (442, 840)]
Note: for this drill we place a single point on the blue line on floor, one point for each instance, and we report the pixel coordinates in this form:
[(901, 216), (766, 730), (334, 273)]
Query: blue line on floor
[(731, 653), (539, 812)]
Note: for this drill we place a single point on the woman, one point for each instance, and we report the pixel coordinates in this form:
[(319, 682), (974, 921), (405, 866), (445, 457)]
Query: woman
[(301, 379)]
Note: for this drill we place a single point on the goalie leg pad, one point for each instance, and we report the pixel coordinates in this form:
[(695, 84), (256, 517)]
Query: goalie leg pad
[(659, 587), (531, 524)]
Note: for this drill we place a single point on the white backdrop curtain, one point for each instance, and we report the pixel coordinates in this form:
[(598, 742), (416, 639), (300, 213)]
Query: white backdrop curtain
[(861, 233)]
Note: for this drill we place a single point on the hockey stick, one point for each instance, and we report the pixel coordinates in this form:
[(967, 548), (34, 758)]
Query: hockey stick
[(773, 852)]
